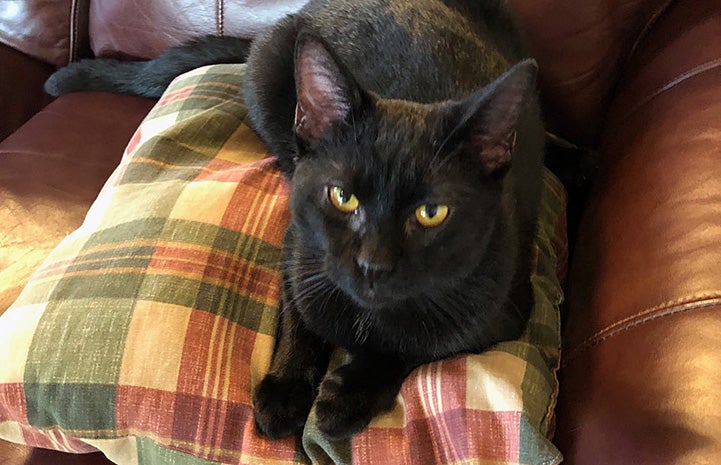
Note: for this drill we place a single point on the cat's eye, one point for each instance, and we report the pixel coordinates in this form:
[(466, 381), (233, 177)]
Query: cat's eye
[(342, 200), (431, 215)]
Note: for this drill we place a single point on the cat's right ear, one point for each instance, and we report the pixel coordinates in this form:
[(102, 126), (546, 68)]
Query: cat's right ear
[(326, 95)]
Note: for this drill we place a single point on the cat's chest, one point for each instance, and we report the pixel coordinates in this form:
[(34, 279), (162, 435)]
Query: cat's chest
[(400, 333)]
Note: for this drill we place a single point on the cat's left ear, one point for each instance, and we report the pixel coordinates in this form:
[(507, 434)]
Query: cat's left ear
[(326, 93), (489, 118)]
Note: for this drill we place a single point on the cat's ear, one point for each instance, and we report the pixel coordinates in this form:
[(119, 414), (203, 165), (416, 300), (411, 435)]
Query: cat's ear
[(326, 95), (488, 122)]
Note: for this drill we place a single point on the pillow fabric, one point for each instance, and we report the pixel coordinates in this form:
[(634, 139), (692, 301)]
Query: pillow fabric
[(145, 331)]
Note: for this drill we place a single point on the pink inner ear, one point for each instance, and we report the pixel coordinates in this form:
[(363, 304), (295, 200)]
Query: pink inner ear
[(495, 153), (322, 99)]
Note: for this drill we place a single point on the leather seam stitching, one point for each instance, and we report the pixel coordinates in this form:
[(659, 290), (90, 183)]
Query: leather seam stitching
[(656, 312), (220, 17), (693, 72), (640, 37), (648, 27), (72, 49)]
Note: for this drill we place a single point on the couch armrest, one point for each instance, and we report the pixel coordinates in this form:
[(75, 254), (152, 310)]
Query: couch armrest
[(21, 88), (51, 170), (640, 378)]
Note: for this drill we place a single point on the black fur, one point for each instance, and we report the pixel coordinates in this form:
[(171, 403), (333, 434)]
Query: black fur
[(401, 104), (146, 78)]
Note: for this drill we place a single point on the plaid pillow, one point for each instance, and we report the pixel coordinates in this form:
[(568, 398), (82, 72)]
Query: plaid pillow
[(145, 332)]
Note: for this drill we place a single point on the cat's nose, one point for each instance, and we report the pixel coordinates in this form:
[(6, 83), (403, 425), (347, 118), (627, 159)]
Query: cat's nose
[(373, 270)]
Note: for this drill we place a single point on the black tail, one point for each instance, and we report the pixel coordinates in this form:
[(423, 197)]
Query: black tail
[(146, 78)]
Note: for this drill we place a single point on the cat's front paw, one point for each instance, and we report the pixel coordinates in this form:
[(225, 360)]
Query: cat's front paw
[(281, 406), (343, 409)]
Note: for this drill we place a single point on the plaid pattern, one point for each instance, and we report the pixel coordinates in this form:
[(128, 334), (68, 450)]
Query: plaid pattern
[(145, 332)]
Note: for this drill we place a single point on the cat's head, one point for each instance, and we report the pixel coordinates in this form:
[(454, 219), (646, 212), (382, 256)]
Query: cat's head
[(394, 199)]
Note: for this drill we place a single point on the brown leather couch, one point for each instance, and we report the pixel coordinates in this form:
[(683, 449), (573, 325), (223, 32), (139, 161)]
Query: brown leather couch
[(638, 79)]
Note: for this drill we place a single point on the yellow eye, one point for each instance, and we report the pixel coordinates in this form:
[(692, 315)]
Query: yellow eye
[(342, 200), (430, 216)]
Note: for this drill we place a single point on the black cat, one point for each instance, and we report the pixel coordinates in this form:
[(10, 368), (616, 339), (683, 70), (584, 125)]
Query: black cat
[(413, 137)]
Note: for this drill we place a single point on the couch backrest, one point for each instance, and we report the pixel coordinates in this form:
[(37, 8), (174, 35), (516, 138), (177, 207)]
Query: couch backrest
[(61, 31), (581, 46), (54, 31), (144, 29)]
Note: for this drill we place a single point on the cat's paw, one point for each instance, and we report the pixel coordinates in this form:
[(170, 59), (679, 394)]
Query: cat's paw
[(343, 409), (281, 406)]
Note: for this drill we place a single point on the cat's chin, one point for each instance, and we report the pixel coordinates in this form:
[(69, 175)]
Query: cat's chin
[(371, 299)]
